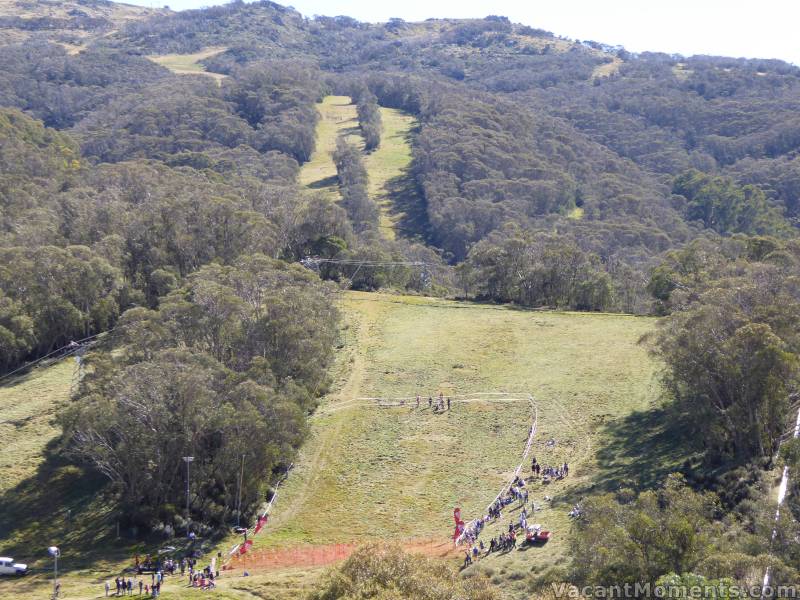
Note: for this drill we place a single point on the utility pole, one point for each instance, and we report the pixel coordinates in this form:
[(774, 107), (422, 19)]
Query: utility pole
[(54, 552), (187, 459), (239, 494)]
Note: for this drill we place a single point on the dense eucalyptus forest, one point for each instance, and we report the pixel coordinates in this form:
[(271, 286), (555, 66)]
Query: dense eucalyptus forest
[(545, 172)]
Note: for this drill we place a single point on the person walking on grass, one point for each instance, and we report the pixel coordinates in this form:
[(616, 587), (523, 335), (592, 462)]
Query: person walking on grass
[(417, 400), (430, 401), (108, 588), (140, 587), (448, 403)]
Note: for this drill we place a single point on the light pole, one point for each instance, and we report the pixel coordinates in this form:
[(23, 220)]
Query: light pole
[(187, 459), (239, 494), (55, 552)]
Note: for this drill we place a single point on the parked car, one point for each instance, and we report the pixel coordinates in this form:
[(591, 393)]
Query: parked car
[(9, 567)]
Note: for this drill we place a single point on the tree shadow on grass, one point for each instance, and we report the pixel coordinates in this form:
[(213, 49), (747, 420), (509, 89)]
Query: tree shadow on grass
[(352, 130), (62, 505), (325, 182), (408, 206), (640, 451)]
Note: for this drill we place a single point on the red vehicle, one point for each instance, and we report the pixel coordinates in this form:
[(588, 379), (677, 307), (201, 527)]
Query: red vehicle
[(536, 535)]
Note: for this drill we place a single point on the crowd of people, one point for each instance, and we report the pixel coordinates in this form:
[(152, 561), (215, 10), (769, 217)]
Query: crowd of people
[(517, 492), (504, 542), (129, 586), (437, 405), (156, 565), (159, 569), (205, 579), (549, 473)]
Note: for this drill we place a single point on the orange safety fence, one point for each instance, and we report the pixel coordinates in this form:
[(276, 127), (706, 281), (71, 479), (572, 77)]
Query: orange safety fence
[(327, 554)]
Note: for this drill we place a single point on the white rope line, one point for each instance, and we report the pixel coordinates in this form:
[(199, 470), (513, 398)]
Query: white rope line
[(507, 485), (470, 395), (781, 497), (268, 509)]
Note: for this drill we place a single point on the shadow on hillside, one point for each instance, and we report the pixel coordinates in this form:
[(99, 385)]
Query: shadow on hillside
[(408, 206), (60, 505), (640, 450), (323, 183)]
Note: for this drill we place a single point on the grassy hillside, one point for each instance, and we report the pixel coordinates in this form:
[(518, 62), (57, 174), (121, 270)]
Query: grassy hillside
[(44, 501), (337, 116), (27, 407), (189, 64), (76, 20), (387, 165), (396, 472)]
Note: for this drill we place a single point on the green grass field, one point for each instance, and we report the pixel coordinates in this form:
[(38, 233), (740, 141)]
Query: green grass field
[(396, 473), (27, 408), (337, 116), (392, 473), (386, 165), (189, 64), (44, 500)]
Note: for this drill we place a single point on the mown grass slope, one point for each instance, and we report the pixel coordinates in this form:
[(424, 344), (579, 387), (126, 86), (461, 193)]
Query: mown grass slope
[(395, 473), (387, 165), (189, 64), (27, 411), (337, 116)]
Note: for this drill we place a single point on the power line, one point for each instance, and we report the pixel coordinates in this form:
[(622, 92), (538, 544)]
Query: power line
[(369, 263), (64, 351)]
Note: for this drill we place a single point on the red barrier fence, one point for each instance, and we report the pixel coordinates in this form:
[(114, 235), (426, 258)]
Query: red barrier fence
[(322, 555)]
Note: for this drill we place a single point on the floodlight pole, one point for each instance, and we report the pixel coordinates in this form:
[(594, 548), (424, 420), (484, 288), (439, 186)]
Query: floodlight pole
[(54, 552), (187, 459), (239, 494)]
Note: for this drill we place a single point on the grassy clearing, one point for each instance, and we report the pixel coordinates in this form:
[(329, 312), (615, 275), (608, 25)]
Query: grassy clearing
[(189, 64), (682, 72), (27, 409), (337, 116), (386, 166), (396, 473), (44, 501), (607, 69)]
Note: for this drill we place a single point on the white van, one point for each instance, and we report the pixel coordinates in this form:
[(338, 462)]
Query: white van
[(9, 567)]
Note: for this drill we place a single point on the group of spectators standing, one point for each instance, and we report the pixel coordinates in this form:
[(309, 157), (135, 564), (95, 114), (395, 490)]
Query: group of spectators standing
[(548, 472), (159, 570), (205, 579), (517, 492), (129, 586), (435, 405)]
